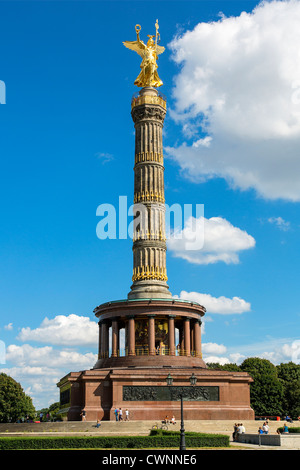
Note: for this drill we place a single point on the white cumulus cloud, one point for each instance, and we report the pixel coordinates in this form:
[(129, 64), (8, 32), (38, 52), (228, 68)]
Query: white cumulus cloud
[(71, 330), (238, 96), (47, 356), (217, 359), (213, 348), (221, 305), (222, 241), (292, 351)]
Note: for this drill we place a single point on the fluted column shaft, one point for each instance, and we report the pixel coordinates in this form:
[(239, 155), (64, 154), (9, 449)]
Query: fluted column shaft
[(149, 244)]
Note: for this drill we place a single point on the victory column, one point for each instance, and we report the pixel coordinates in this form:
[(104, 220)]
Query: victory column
[(150, 340)]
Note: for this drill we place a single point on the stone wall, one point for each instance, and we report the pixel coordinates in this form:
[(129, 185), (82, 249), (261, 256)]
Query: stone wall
[(290, 441)]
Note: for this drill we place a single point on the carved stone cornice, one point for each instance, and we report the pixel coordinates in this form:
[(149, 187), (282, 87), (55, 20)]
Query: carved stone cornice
[(148, 113)]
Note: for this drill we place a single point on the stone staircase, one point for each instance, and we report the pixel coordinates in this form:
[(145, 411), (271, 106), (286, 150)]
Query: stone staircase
[(129, 428)]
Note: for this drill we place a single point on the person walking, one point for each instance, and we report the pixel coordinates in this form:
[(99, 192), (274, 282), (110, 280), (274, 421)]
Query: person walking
[(116, 414), (126, 415)]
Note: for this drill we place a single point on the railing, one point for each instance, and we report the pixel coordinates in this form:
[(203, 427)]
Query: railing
[(271, 418), (137, 100), (146, 352)]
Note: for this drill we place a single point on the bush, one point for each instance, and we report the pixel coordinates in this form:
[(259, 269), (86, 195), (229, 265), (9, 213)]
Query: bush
[(193, 439), (165, 439)]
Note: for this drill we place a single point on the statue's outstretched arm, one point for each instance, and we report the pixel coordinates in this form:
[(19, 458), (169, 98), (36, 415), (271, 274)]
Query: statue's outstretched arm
[(138, 45)]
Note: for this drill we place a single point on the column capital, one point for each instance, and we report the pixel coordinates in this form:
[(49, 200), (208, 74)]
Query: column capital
[(114, 318), (148, 112)]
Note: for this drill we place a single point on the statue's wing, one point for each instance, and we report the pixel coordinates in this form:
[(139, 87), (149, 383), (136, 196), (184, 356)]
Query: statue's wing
[(159, 50), (137, 46)]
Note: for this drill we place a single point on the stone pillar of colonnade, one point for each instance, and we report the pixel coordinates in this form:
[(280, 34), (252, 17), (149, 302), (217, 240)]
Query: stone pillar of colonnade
[(172, 335), (131, 336), (151, 334), (115, 338)]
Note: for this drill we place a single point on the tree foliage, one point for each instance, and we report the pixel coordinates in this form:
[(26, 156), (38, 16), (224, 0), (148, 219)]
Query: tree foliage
[(50, 413), (289, 374), (14, 403), (266, 394), (275, 390)]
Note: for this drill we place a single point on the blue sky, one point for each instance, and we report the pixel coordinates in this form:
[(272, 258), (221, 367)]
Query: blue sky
[(231, 77)]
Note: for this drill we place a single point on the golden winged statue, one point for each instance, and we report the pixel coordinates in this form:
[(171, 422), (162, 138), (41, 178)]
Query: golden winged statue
[(149, 53)]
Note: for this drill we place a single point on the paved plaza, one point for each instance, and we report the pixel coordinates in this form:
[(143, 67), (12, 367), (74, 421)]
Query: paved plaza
[(138, 428)]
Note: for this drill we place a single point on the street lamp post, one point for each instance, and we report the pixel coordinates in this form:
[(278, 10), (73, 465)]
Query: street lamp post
[(193, 380)]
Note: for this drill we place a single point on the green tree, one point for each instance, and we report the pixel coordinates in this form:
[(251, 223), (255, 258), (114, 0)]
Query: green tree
[(288, 371), (258, 367), (229, 367), (266, 392), (289, 374), (44, 411), (275, 390), (14, 403), (54, 409)]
